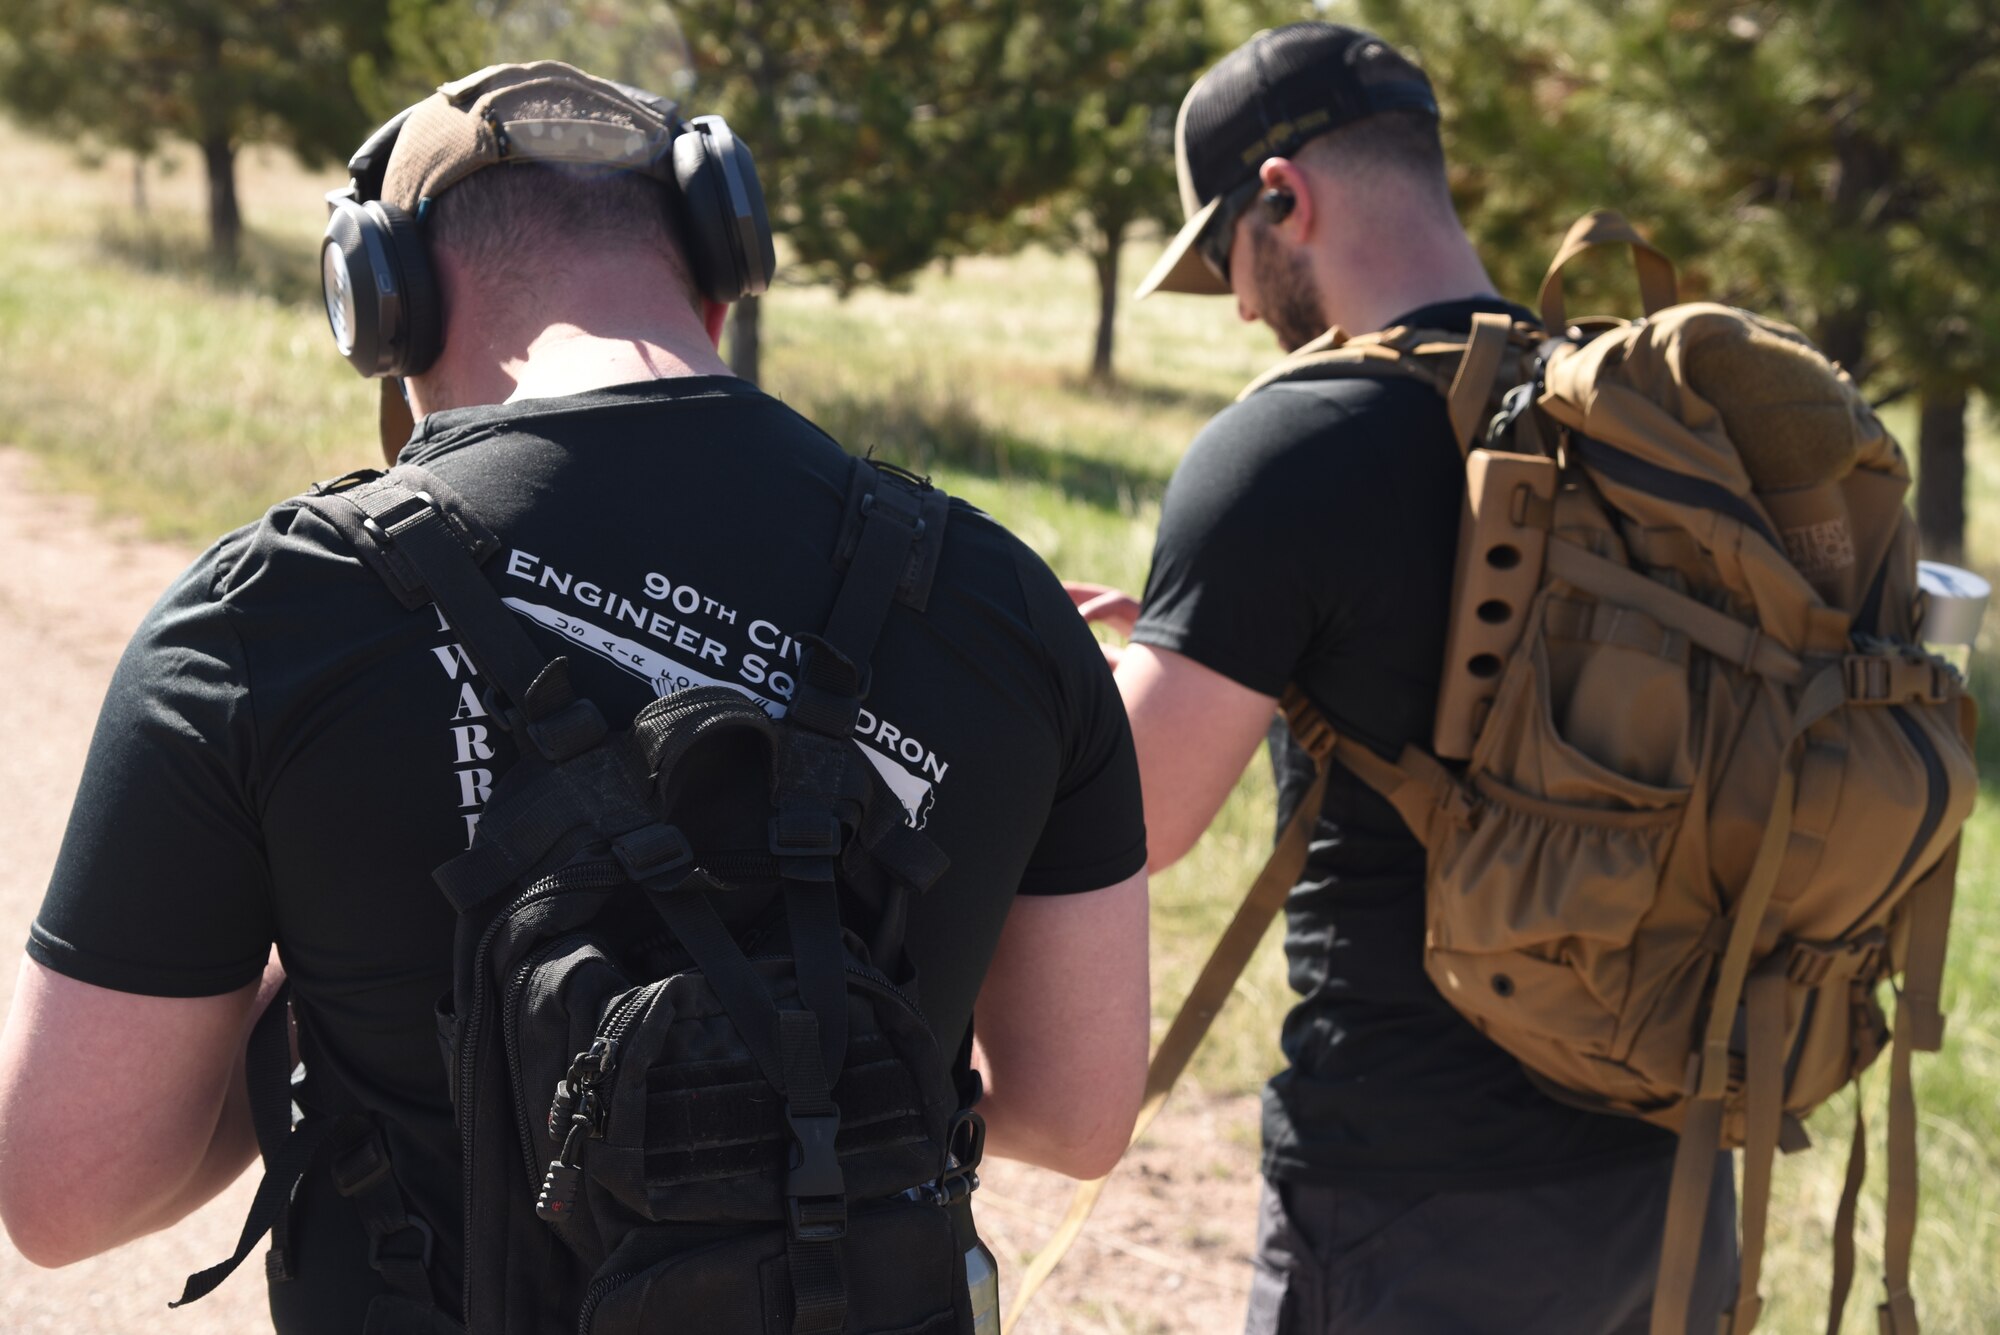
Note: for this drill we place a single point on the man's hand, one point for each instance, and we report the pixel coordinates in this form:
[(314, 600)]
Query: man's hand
[(1102, 605)]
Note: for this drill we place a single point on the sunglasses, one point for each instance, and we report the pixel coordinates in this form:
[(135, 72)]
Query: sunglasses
[(1216, 239)]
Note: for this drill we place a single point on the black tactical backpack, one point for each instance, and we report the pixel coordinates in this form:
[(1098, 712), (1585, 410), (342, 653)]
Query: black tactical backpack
[(694, 1086)]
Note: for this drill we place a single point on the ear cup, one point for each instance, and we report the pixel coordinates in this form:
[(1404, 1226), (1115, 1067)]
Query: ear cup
[(375, 278), (722, 208), (423, 317)]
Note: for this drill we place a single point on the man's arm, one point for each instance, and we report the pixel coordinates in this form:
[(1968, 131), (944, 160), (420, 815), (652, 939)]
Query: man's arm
[(1064, 1016), (119, 1113), (1194, 728)]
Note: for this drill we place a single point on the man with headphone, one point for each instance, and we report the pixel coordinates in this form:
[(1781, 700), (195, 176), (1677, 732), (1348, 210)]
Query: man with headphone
[(543, 259), (1416, 1181)]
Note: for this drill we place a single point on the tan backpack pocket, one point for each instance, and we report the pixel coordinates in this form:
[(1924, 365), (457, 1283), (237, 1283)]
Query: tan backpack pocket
[(1596, 713), (1579, 788)]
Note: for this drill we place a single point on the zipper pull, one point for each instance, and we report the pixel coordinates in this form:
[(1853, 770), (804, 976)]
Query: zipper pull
[(578, 1097), (559, 1190), (564, 1179)]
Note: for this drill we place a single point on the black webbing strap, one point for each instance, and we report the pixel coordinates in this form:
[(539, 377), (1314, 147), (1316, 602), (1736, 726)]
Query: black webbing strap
[(289, 1152), (900, 523), (519, 828), (399, 1243), (815, 1191), (786, 1046), (683, 905), (812, 911), (425, 554)]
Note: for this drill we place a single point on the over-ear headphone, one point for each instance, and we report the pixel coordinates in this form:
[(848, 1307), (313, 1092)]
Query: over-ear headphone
[(1277, 204), (381, 297)]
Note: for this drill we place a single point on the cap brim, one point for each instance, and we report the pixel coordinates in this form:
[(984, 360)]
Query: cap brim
[(1181, 268)]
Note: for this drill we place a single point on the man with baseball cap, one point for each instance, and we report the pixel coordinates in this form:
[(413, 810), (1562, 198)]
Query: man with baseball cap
[(1417, 1182), (287, 753)]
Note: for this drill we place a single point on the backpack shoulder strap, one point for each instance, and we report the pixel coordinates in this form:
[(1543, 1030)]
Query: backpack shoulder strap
[(427, 545), (1462, 368)]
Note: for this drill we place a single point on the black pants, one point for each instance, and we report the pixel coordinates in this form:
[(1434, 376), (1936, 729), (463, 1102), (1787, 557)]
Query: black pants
[(1576, 1257)]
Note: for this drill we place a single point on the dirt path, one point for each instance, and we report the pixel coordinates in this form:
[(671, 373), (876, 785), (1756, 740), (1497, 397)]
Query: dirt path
[(71, 591), (1168, 1252)]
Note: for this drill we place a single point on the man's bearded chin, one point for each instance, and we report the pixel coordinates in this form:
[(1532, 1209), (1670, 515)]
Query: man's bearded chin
[(1286, 296)]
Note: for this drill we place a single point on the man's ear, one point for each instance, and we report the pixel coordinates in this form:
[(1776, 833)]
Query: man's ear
[(713, 313), (1298, 216)]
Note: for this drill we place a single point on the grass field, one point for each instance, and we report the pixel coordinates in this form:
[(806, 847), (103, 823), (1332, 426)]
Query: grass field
[(191, 402)]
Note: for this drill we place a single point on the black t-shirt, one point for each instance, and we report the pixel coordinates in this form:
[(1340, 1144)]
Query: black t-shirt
[(286, 754), (1308, 535)]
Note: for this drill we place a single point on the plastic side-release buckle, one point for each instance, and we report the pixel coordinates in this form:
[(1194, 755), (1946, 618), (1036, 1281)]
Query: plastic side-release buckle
[(815, 1190)]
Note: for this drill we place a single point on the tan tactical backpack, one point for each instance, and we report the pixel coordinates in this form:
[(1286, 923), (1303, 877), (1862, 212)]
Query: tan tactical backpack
[(1712, 785), (1696, 789)]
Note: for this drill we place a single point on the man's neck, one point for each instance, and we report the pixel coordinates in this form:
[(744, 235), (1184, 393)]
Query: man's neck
[(563, 359), (585, 328), (1366, 282)]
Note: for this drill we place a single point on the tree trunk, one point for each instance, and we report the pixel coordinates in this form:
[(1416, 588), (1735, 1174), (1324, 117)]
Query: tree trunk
[(225, 220), (1111, 241), (139, 184), (745, 341), (1843, 337), (1941, 474)]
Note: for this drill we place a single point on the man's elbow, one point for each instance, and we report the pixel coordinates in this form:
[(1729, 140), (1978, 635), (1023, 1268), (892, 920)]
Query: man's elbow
[(40, 1234), (1096, 1157), (1085, 1155), (53, 1211), (1093, 1150)]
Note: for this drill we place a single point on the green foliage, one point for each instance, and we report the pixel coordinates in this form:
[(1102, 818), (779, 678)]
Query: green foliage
[(134, 74), (888, 129), (1833, 161), (1122, 138), (884, 130)]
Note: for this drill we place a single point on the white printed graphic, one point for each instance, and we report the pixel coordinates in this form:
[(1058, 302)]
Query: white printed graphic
[(667, 674)]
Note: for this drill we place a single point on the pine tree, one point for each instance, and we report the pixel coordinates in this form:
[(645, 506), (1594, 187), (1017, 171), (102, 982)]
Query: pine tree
[(215, 74)]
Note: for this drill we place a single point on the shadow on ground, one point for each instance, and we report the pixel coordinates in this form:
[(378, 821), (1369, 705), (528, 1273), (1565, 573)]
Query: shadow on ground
[(923, 431), (282, 270)]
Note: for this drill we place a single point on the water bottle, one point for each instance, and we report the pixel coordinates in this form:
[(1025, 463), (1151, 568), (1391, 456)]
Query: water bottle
[(982, 1277), (1954, 606)]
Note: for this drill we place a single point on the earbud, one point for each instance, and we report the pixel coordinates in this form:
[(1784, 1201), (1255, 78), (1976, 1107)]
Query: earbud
[(1277, 204)]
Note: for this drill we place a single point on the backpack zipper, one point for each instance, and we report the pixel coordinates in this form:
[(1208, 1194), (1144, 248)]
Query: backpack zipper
[(595, 1295), (593, 876), (509, 1021)]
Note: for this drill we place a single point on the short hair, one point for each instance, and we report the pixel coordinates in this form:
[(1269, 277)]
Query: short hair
[(1399, 143), (515, 221)]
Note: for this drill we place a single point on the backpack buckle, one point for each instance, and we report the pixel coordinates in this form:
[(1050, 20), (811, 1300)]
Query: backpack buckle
[(426, 1241), (1814, 963), (651, 851), (815, 1191)]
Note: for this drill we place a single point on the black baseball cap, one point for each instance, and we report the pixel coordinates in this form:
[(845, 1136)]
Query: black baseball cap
[(1264, 99)]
